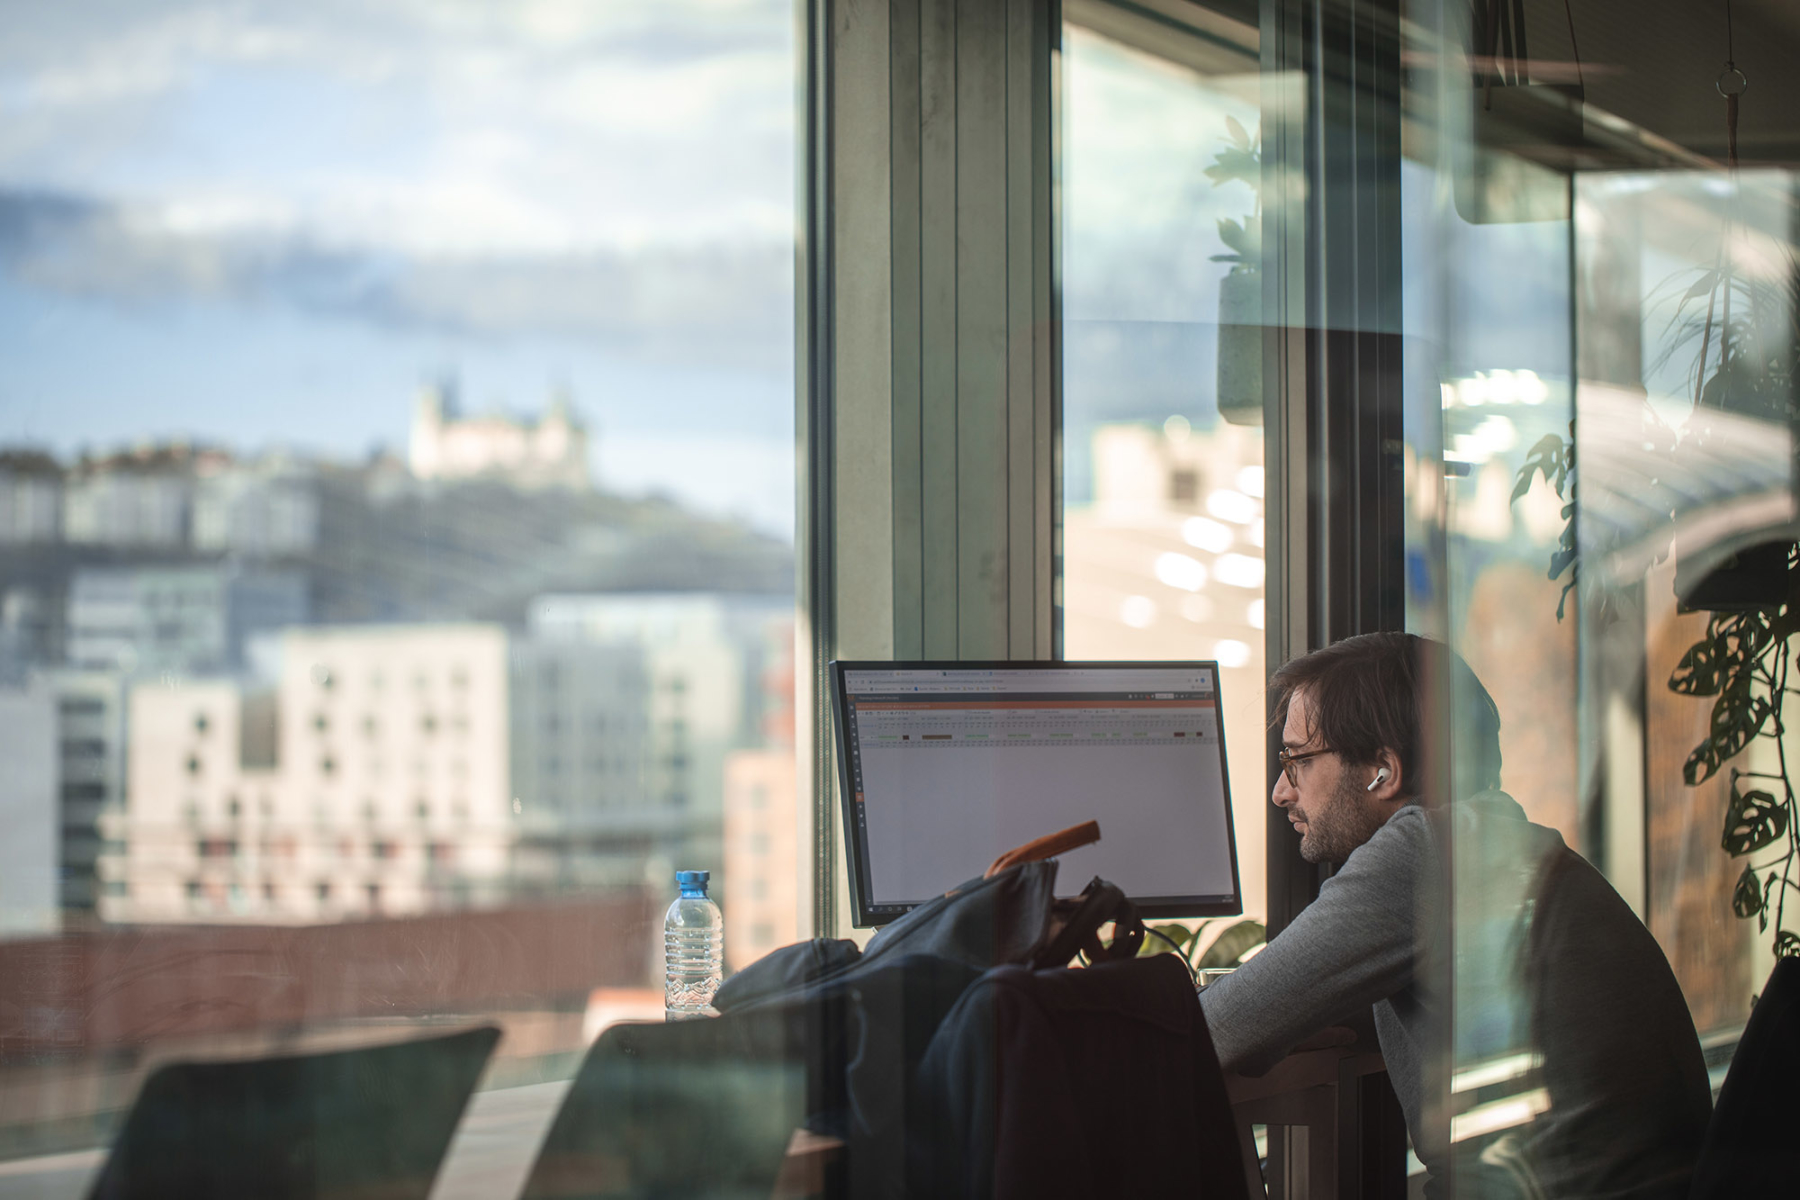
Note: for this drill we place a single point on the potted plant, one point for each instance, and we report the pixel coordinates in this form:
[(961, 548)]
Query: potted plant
[(1239, 377)]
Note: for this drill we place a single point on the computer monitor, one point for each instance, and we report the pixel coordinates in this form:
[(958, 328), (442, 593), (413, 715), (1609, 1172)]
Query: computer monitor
[(946, 765)]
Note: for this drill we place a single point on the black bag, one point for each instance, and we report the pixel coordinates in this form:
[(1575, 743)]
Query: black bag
[(1012, 917), (859, 1021)]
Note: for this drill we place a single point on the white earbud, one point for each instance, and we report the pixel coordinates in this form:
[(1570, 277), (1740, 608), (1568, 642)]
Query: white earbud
[(1380, 775)]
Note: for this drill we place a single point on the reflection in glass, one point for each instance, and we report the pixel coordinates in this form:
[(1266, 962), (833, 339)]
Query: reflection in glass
[(1600, 315), (1162, 394)]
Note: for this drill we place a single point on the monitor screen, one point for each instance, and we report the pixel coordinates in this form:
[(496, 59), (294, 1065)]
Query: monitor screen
[(945, 766)]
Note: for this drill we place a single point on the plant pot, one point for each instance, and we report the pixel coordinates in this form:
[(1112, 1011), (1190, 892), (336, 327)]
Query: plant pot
[(1240, 359)]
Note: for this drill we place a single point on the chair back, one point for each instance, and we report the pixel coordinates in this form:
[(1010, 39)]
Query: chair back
[(687, 1108), (1749, 1148), (370, 1124)]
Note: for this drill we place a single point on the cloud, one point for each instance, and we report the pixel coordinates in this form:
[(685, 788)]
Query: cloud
[(724, 303), (440, 124)]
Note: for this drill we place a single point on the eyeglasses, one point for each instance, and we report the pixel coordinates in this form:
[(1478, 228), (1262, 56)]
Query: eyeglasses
[(1287, 758)]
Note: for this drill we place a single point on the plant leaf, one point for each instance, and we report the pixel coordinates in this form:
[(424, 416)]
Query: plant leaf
[(1747, 897), (1734, 641), (1752, 821), (1236, 166), (1737, 716), (1548, 457), (1239, 135), (1228, 948), (1700, 671), (1701, 286), (1180, 935), (1787, 944)]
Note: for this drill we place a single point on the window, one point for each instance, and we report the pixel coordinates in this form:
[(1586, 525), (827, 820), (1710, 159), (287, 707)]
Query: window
[(1162, 396)]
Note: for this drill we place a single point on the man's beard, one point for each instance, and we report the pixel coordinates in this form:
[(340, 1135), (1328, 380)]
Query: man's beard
[(1340, 825)]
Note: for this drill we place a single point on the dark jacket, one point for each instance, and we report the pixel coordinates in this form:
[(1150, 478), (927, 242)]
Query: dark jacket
[(1078, 1083)]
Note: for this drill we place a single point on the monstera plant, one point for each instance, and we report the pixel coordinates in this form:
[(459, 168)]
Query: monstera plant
[(1744, 335)]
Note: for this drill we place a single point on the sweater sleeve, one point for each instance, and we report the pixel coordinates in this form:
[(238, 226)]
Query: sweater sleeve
[(1349, 948)]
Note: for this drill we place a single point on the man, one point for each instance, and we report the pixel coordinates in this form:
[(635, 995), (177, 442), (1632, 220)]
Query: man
[(1548, 959)]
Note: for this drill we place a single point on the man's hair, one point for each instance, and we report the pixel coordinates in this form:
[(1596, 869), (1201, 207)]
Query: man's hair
[(1366, 694)]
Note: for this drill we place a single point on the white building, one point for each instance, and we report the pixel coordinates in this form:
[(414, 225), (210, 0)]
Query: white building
[(761, 889), (90, 750), (29, 900), (267, 509), (546, 453), (30, 631), (183, 620), (113, 505), (387, 793), (761, 892), (703, 658), (30, 499), (581, 767)]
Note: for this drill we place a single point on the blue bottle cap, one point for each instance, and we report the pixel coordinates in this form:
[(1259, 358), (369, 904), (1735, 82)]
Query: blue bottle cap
[(690, 878)]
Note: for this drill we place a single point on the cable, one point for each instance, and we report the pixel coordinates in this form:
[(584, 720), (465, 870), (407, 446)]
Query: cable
[(1176, 947)]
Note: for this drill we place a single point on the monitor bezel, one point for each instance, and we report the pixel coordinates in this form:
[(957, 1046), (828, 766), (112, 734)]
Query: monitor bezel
[(863, 914)]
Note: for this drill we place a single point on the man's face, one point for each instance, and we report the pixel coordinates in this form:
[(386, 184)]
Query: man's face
[(1328, 805)]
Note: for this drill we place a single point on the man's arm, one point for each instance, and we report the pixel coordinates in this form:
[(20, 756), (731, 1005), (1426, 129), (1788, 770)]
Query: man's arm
[(1351, 947)]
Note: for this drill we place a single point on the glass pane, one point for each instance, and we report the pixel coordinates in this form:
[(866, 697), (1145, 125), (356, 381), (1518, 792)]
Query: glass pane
[(396, 535), (1162, 370), (1601, 329)]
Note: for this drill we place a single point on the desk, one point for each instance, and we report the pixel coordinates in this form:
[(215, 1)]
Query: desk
[(1330, 1118)]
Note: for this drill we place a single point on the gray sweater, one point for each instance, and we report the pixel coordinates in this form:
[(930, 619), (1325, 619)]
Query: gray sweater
[(1587, 989)]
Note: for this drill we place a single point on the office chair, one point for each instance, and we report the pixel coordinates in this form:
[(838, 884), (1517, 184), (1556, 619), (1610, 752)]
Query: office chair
[(1749, 1148), (362, 1124), (684, 1109)]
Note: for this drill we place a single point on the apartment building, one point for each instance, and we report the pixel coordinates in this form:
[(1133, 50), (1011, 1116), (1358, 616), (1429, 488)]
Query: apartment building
[(372, 779)]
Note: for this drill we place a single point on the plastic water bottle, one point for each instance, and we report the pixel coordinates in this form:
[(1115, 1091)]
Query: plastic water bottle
[(693, 941)]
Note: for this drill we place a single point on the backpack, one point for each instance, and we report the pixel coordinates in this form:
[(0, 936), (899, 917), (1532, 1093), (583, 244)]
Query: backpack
[(860, 1021), (1008, 916)]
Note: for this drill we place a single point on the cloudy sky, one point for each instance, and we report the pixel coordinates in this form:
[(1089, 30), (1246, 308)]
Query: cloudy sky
[(269, 223)]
